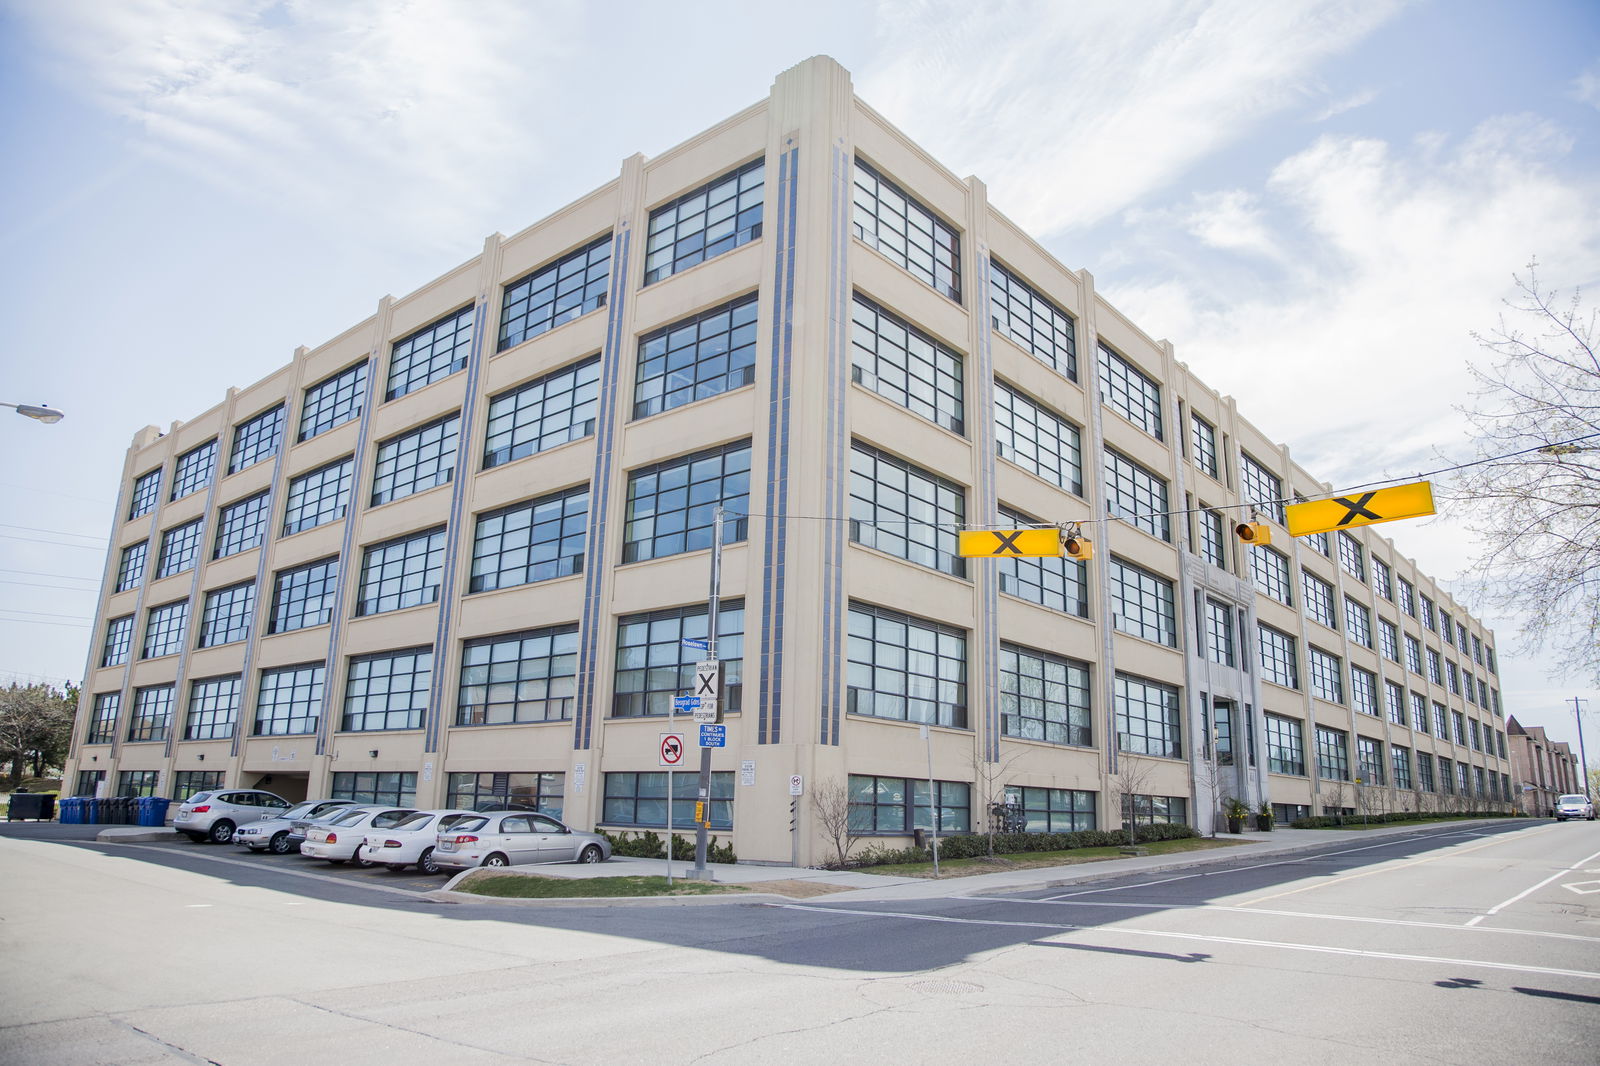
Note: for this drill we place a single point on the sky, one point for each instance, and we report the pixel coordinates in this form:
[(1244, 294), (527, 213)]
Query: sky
[(1316, 201)]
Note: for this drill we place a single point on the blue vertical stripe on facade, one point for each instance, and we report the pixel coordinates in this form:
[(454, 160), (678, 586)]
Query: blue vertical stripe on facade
[(600, 497)]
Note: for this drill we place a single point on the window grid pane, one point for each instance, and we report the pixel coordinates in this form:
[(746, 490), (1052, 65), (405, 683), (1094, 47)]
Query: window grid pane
[(544, 791), (1137, 495), (387, 691), (241, 526), (715, 218), (1333, 754), (256, 439), (1269, 569), (1280, 661), (529, 542), (556, 294), (1036, 325), (519, 677), (1394, 702), (1327, 676), (118, 642), (1400, 758), (1142, 604), (654, 665), (180, 548), (333, 401), (1219, 633), (192, 471), (1260, 487), (1204, 436), (696, 358), (103, 729), (905, 511), (901, 363), (164, 630), (1148, 717), (130, 568), (146, 491), (1054, 810), (226, 615), (886, 219), (416, 461), (304, 596), (401, 573), (213, 708), (290, 701), (431, 353), (543, 414), (635, 799), (1037, 439), (186, 783), (1213, 541), (1352, 557), (319, 497), (152, 713), (1358, 622), (1285, 746), (1363, 690), (388, 787), (1044, 697), (1389, 640), (1058, 583), (1319, 599), (672, 505), (906, 668), (1127, 391)]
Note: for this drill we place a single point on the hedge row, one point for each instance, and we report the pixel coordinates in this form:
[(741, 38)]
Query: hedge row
[(975, 845), (648, 845), (1322, 821)]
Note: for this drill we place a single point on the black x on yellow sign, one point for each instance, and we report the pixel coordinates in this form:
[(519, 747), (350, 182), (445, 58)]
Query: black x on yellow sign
[(1010, 543), (1360, 509)]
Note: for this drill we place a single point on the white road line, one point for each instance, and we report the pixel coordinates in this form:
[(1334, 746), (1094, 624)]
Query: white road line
[(1386, 868), (1559, 873), (1205, 938), (292, 873)]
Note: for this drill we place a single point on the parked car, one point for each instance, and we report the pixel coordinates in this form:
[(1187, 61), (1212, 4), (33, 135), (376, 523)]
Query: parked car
[(302, 825), (338, 840), (272, 834), (1574, 806), (411, 841), (214, 815), (515, 838)]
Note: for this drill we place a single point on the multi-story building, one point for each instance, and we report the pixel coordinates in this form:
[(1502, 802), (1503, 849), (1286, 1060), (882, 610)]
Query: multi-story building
[(461, 549), (1541, 769)]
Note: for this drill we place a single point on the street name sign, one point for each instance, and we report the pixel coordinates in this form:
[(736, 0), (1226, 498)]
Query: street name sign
[(1010, 543), (686, 704), (1360, 509)]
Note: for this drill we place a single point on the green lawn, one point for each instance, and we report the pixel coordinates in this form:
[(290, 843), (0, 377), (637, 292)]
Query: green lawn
[(1033, 859), (533, 886)]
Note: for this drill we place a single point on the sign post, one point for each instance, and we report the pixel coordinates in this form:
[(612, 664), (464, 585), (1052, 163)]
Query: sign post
[(669, 753), (708, 688)]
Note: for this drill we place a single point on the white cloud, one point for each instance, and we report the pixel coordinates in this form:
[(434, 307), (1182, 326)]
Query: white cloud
[(1075, 111), (1348, 103), (1586, 86)]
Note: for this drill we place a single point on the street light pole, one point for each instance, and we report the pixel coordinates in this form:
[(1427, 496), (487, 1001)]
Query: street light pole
[(37, 412), (1583, 757)]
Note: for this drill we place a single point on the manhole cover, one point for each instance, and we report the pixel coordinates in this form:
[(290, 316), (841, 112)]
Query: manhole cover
[(948, 988)]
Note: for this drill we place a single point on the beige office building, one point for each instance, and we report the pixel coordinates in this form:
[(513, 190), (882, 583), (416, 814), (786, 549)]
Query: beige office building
[(462, 550)]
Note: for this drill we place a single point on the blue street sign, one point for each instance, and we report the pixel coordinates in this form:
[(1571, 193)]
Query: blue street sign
[(685, 704), (713, 736), (692, 642)]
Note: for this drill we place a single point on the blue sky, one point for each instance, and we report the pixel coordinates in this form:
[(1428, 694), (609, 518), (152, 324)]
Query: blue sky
[(1314, 201)]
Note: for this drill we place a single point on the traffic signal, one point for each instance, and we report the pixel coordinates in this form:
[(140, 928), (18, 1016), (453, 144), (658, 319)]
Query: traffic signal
[(1253, 533), (1077, 546)]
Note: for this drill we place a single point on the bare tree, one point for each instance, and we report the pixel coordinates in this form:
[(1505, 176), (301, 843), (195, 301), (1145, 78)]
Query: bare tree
[(1211, 775), (830, 801), (989, 782), (1333, 793), (1534, 495), (1129, 781)]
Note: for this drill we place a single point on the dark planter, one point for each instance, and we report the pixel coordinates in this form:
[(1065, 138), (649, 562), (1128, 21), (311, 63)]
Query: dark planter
[(1235, 825), (1264, 823)]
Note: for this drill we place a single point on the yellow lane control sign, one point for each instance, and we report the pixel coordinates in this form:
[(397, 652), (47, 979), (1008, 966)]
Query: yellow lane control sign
[(1360, 509), (1010, 543)]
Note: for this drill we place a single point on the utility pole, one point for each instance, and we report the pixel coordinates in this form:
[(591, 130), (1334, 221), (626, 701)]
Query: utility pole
[(1583, 758), (713, 609)]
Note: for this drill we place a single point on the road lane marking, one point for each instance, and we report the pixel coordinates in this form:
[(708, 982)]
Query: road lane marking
[(1492, 911), (1282, 945), (1386, 868)]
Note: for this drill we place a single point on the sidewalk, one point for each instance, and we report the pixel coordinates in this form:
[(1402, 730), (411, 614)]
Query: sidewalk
[(856, 886)]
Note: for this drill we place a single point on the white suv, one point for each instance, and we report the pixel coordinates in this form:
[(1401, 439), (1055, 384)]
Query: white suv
[(1574, 806), (214, 815)]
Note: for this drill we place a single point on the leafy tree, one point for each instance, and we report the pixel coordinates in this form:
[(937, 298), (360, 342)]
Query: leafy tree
[(1534, 496), (35, 728)]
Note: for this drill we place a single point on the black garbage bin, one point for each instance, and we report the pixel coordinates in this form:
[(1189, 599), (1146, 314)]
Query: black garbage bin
[(99, 813), (119, 809), (128, 814), (31, 807)]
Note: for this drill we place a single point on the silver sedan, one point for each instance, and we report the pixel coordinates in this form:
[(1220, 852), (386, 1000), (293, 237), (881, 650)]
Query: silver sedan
[(515, 838)]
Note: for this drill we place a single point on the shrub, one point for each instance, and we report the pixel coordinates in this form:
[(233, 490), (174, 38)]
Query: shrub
[(976, 845), (648, 845)]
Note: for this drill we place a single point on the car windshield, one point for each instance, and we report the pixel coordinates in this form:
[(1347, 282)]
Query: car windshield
[(469, 824), (1574, 799), (299, 809), (420, 820)]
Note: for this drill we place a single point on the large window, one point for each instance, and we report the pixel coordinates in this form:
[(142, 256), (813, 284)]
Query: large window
[(1148, 716), (146, 492), (1286, 746), (1352, 557), (543, 414), (1037, 439), (318, 497), (1419, 711), (180, 548), (1203, 435), (333, 401), (1458, 722), (715, 218), (1053, 810), (396, 789), (1213, 539), (901, 363), (895, 805), (415, 461), (555, 294), (1023, 315), (1408, 597), (1369, 761), (226, 615), (304, 596), (130, 567), (528, 542), (905, 511), (1044, 697), (400, 573), (640, 799), (1358, 622), (1127, 391), (186, 783), (388, 690), (654, 663), (1142, 603), (192, 471), (1400, 760), (1260, 487), (1158, 810), (696, 358), (906, 668), (1435, 667), (1327, 676), (152, 713), (119, 641), (1413, 654), (1137, 495), (1333, 754), (138, 782), (1394, 702), (1280, 662), (103, 727), (887, 219), (256, 439), (431, 353), (213, 708), (164, 629), (1382, 579), (543, 791), (1363, 690), (1429, 619), (1269, 569), (519, 677), (241, 526), (290, 700), (672, 505), (1319, 599), (1219, 642), (1424, 772), (1056, 582), (1389, 640)]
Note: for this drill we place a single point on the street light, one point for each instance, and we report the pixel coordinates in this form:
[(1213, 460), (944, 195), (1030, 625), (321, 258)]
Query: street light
[(47, 415)]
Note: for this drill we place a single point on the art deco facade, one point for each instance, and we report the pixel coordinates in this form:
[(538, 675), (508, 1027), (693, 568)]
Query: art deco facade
[(455, 552)]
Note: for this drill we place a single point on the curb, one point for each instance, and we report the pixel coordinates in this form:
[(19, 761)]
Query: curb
[(136, 835), (445, 895)]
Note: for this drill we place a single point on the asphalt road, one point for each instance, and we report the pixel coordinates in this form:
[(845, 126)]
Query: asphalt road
[(1480, 945)]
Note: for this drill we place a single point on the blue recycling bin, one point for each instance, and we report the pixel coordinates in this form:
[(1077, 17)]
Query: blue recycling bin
[(153, 810), (71, 808)]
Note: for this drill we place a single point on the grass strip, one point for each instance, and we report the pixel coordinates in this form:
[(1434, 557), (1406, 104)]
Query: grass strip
[(533, 886), (1034, 859)]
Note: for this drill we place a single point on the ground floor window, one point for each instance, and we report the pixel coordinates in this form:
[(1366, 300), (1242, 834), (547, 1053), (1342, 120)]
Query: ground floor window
[(897, 805), (138, 782), (380, 787), (186, 783), (89, 782), (544, 791), (1053, 810), (1151, 810), (1284, 813), (641, 799)]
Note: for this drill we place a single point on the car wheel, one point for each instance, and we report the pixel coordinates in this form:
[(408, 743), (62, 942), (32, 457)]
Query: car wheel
[(221, 832), (497, 859), (280, 843), (365, 864), (590, 854), (425, 862)]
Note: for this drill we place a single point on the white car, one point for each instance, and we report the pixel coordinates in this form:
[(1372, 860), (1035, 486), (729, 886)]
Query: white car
[(272, 834), (1574, 806), (339, 839), (411, 841)]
